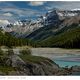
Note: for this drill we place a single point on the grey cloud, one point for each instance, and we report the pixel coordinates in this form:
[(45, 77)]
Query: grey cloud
[(36, 3)]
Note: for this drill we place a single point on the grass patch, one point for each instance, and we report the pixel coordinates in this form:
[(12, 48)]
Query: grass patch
[(35, 59), (6, 69)]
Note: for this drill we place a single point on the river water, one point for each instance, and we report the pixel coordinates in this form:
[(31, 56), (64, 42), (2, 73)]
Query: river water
[(63, 57)]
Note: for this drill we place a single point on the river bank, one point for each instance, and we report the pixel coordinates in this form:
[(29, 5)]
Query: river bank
[(66, 61)]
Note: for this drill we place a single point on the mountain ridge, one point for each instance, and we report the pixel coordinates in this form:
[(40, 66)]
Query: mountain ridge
[(53, 17), (51, 24)]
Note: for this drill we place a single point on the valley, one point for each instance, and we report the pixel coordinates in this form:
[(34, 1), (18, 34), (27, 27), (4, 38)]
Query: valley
[(46, 42)]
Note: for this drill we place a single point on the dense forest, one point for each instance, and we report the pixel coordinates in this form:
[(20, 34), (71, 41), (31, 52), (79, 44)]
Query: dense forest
[(67, 39), (9, 40)]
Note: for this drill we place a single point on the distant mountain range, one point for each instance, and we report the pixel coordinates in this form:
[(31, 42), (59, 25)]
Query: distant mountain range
[(53, 17), (21, 27), (54, 23)]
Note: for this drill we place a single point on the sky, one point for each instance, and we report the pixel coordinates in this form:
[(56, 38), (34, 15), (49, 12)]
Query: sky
[(13, 11)]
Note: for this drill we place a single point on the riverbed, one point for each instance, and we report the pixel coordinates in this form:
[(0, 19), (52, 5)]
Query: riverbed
[(63, 57)]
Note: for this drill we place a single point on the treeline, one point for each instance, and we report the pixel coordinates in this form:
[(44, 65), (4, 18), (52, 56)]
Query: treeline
[(9, 40), (68, 39)]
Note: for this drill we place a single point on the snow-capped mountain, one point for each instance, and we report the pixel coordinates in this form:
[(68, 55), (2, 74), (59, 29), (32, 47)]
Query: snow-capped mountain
[(22, 27), (4, 23), (53, 17), (56, 22)]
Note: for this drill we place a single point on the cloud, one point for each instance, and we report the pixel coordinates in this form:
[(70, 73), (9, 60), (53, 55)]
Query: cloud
[(70, 5), (4, 22), (13, 14), (31, 9), (8, 14), (36, 3), (63, 5)]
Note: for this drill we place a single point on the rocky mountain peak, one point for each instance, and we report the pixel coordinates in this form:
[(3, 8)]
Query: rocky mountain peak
[(52, 17)]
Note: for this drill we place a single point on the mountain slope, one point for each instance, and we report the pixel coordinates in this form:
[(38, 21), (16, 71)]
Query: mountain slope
[(68, 39), (65, 35), (8, 40), (54, 29)]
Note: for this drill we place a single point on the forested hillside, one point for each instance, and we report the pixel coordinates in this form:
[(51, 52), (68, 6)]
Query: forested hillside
[(68, 39), (9, 40)]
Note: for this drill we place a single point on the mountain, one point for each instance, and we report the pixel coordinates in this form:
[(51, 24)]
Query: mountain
[(67, 39), (60, 31), (51, 17), (23, 27), (54, 23), (55, 17)]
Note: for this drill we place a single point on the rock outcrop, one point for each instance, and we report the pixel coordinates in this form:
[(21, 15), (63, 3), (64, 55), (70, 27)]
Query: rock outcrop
[(16, 65), (46, 67), (27, 64)]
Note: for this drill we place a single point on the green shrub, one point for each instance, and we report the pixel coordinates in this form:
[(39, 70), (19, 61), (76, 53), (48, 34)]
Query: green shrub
[(25, 52)]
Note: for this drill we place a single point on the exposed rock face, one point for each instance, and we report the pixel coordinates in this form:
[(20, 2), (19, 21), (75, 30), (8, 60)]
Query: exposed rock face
[(51, 18), (75, 68), (29, 68), (15, 65), (23, 27)]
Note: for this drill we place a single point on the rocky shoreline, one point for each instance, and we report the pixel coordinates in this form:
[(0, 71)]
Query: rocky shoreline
[(27, 64)]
